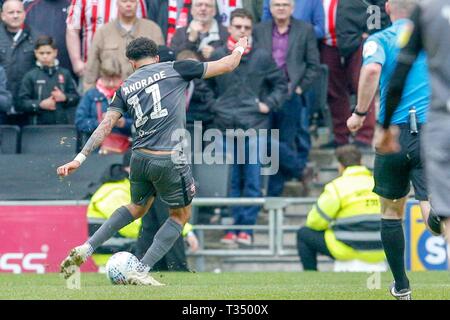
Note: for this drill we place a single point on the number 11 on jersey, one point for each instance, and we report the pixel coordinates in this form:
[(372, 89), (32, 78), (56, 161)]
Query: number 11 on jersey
[(156, 96)]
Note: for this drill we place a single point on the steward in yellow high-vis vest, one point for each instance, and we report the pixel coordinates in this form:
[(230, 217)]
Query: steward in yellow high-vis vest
[(345, 222)]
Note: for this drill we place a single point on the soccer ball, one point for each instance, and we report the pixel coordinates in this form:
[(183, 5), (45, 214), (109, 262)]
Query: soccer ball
[(119, 266)]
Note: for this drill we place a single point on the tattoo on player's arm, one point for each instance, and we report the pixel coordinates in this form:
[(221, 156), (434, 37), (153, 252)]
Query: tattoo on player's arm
[(102, 131)]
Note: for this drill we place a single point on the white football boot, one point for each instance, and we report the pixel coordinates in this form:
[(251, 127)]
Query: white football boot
[(142, 279), (76, 258)]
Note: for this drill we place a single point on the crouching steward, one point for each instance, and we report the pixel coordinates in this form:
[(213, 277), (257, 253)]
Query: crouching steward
[(345, 222)]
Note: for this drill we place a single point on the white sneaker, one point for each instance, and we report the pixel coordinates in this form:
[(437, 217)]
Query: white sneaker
[(76, 258), (142, 279)]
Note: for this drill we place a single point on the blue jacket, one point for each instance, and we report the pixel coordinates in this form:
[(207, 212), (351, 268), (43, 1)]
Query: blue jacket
[(310, 11), (86, 118)]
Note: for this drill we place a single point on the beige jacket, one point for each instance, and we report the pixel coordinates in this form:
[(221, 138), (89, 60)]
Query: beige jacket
[(111, 41)]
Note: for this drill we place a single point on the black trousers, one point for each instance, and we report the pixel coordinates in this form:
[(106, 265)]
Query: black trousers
[(175, 259), (309, 244)]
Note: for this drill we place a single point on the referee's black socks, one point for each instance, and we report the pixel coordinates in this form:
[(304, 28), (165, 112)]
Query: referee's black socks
[(393, 241)]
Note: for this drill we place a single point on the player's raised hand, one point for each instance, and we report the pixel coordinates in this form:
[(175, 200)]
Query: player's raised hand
[(68, 168), (243, 42), (386, 141)]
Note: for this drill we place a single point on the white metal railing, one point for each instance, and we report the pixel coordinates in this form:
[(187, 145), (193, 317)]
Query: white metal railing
[(275, 227)]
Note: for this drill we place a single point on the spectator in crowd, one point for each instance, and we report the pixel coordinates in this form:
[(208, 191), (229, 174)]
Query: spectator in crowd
[(244, 99), (95, 102), (200, 97), (170, 15), (84, 19), (294, 49), (225, 7), (5, 97), (54, 13), (203, 34), (112, 38), (48, 92), (310, 11), (348, 26), (114, 191), (16, 54), (344, 224)]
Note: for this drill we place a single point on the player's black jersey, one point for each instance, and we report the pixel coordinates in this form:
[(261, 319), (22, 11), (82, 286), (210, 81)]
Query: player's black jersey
[(155, 95)]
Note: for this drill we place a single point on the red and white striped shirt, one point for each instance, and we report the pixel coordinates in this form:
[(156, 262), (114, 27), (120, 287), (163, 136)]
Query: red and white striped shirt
[(225, 9), (330, 7), (89, 15)]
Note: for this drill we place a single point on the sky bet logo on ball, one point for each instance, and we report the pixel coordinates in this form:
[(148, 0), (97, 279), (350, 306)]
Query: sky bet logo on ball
[(423, 250)]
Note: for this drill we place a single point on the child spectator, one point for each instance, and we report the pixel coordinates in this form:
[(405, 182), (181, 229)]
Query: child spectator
[(47, 91), (95, 102)]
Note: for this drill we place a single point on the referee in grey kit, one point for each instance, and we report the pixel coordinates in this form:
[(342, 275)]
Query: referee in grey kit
[(155, 96), (430, 30)]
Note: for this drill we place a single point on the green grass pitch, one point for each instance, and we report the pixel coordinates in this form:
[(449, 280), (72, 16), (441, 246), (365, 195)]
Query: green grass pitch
[(226, 286)]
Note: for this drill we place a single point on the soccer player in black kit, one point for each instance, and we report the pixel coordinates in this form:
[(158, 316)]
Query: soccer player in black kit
[(155, 96)]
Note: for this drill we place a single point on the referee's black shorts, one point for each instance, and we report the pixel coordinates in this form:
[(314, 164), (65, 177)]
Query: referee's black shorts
[(394, 173)]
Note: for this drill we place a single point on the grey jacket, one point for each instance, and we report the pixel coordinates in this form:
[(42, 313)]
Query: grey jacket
[(17, 59), (303, 54), (5, 95), (181, 41)]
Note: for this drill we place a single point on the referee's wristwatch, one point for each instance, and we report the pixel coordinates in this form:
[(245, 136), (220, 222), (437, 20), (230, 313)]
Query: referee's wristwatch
[(358, 113)]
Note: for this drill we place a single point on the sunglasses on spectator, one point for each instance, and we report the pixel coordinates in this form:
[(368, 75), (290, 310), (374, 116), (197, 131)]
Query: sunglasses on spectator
[(238, 26)]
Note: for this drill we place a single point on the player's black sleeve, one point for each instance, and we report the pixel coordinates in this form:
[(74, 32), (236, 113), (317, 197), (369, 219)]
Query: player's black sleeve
[(405, 61), (118, 103), (190, 69)]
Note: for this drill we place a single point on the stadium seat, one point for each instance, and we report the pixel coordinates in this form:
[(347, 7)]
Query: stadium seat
[(33, 176), (9, 139), (211, 181), (52, 139)]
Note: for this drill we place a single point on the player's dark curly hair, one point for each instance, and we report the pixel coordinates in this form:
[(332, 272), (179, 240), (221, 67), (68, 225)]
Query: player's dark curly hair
[(141, 48)]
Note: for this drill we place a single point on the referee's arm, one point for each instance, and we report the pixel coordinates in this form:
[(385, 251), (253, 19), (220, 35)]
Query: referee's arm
[(406, 59), (367, 88)]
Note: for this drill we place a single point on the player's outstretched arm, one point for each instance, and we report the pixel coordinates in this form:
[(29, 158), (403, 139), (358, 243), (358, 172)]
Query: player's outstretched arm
[(228, 63), (96, 139)]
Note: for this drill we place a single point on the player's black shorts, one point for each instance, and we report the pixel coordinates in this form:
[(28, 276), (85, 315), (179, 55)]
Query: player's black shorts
[(169, 176), (394, 173)]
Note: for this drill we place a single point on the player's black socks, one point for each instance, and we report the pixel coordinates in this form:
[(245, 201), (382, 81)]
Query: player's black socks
[(163, 241), (119, 219), (393, 241)]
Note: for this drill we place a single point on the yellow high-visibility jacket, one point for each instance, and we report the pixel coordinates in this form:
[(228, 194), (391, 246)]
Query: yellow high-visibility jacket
[(349, 212)]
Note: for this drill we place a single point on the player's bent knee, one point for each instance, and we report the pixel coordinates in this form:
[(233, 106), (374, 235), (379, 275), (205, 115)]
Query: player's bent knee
[(136, 211), (181, 215)]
